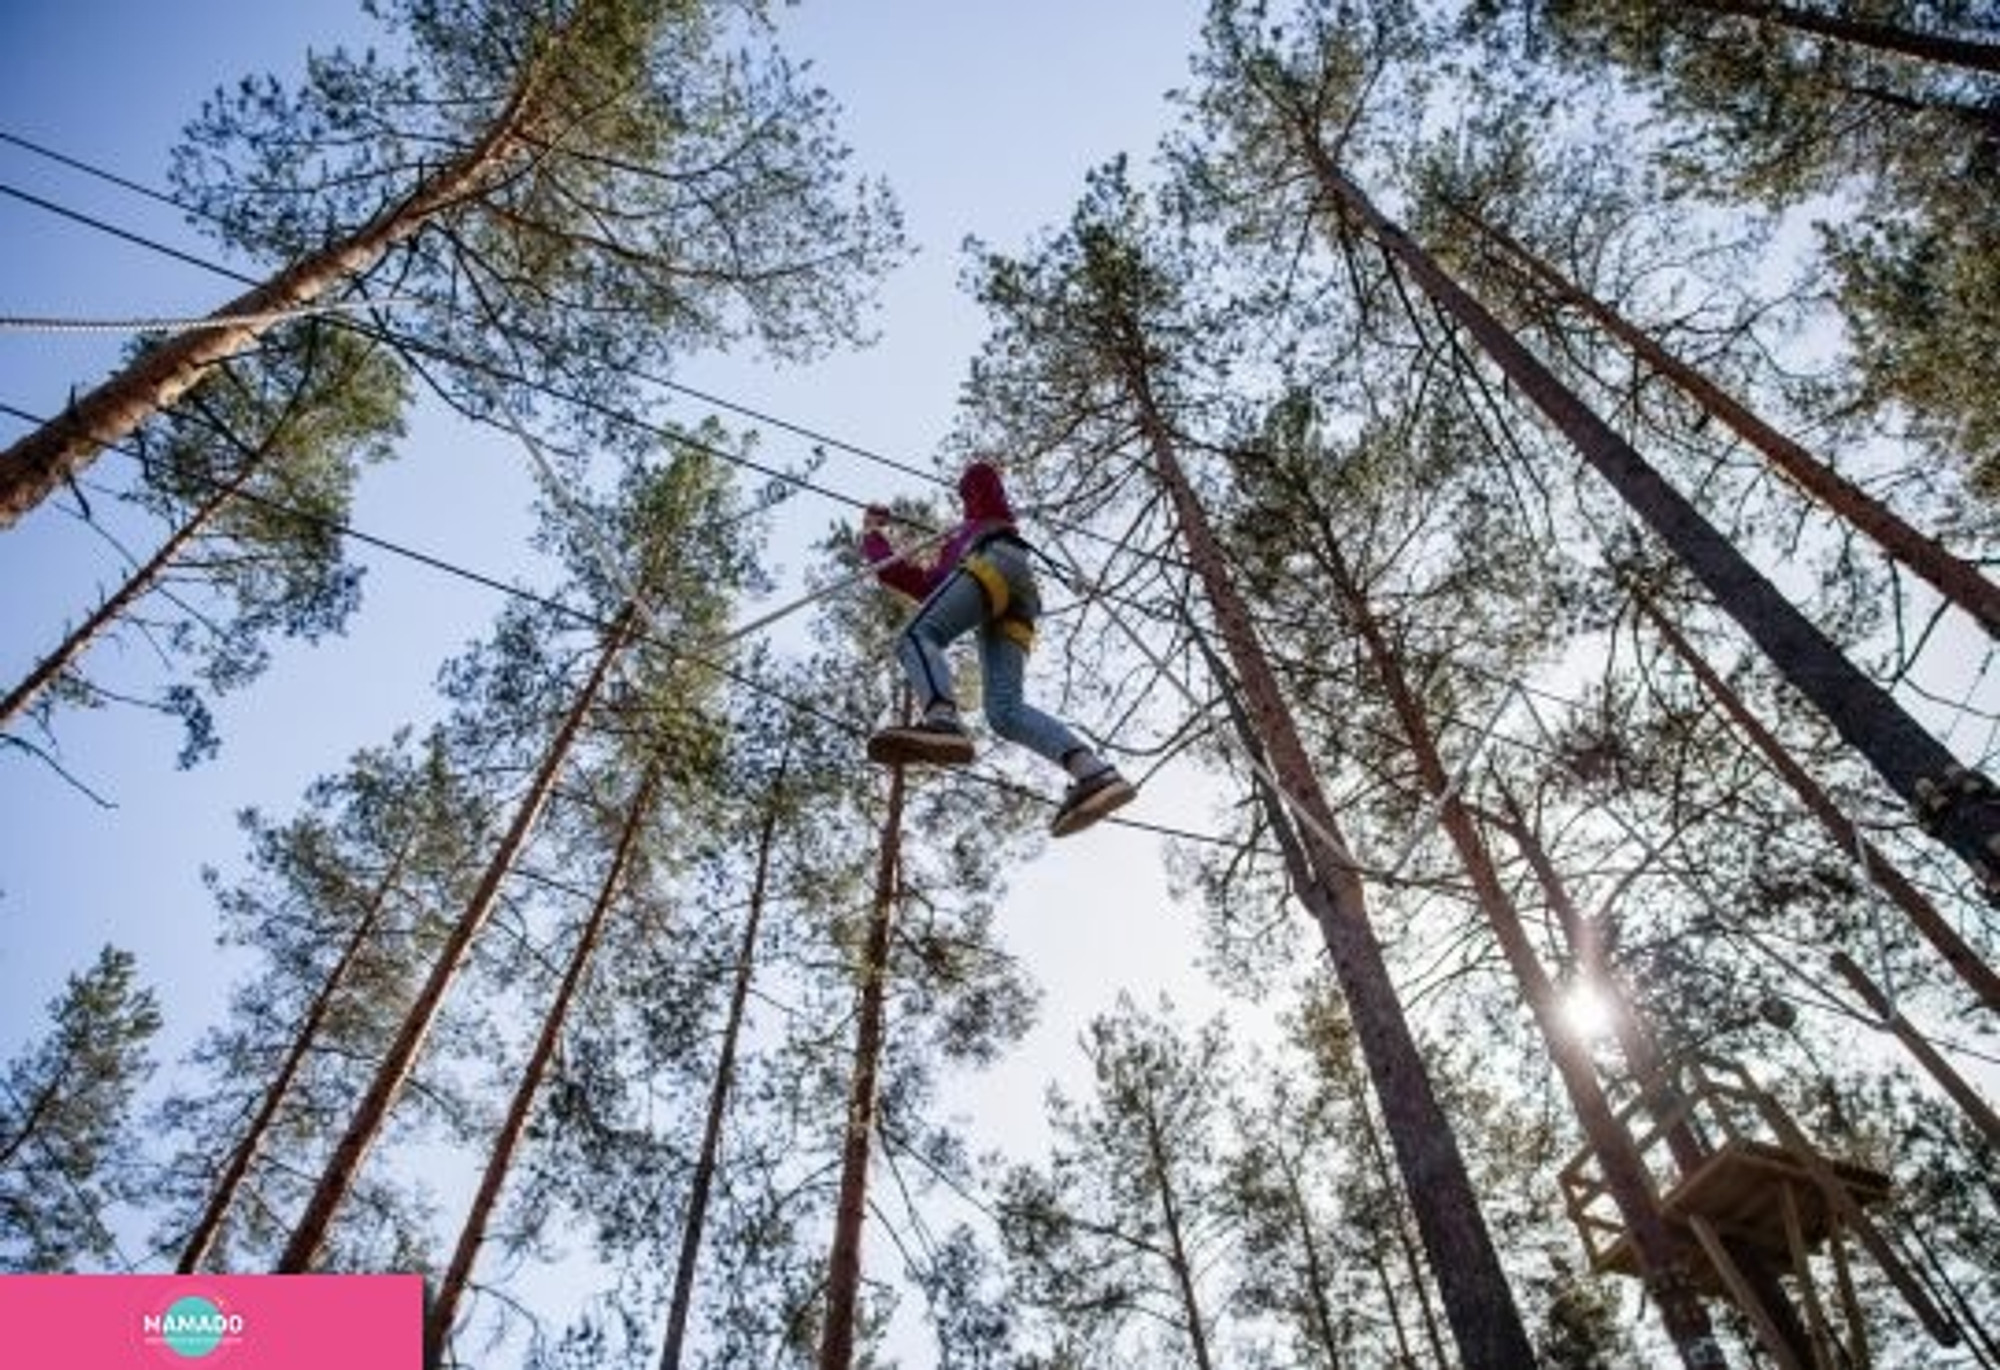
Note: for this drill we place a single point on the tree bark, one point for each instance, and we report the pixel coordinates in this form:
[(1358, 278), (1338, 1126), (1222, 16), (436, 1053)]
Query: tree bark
[(54, 453), (1976, 1109), (209, 1226), (695, 1217), (1298, 869), (1958, 804), (1957, 579), (1863, 33), (1479, 1305), (1177, 1251), (1316, 1271), (1651, 1077), (1925, 916), (843, 1279), (472, 1235), (51, 667), (1406, 1248), (1663, 1254), (372, 1112)]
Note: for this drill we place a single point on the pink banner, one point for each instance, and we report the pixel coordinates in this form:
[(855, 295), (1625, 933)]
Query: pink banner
[(243, 1322)]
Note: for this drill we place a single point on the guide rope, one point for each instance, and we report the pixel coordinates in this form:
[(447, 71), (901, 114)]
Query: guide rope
[(30, 323)]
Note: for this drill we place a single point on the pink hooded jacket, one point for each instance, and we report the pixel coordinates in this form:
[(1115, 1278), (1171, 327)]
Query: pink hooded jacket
[(986, 511)]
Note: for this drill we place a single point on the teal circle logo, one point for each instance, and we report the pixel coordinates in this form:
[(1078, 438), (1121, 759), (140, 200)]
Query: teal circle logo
[(193, 1326)]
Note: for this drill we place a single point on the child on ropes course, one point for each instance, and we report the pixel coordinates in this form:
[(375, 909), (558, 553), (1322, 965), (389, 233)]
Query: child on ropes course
[(981, 579)]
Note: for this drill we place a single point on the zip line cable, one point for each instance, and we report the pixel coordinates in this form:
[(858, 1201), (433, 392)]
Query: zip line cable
[(600, 408), (57, 325), (606, 555), (139, 239), (455, 359), (664, 431), (584, 618), (77, 164), (673, 434), (759, 416)]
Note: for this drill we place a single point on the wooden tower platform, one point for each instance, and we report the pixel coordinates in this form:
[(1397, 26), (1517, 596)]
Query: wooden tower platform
[(1730, 1170), (1759, 1194)]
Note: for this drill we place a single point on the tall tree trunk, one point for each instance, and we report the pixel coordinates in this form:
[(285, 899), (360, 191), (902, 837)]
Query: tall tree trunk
[(1970, 1102), (1863, 33), (31, 1118), (1926, 917), (843, 1277), (1649, 1070), (1663, 1254), (695, 1217), (51, 667), (1317, 1274), (1405, 1356), (206, 1229), (1959, 580), (1413, 1259), (372, 1112), (472, 1235), (1297, 866), (1479, 1305), (1178, 1259), (1958, 804), (1636, 1043), (54, 453)]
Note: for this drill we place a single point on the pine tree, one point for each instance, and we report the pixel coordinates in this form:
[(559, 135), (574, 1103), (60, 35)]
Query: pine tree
[(449, 1292), (1271, 105), (68, 1150), (1119, 1225), (337, 909), (1890, 104), (254, 473), (368, 928), (1293, 476), (607, 182), (706, 1156), (672, 517), (928, 987), (843, 1263), (1087, 338), (1291, 1250), (778, 801), (1957, 579)]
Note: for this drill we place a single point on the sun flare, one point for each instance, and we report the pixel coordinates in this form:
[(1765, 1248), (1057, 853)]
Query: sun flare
[(1587, 1010)]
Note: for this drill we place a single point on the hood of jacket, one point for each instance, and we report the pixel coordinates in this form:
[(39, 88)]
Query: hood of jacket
[(985, 497)]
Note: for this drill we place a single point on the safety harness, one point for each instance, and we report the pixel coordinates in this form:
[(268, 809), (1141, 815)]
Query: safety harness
[(1015, 623)]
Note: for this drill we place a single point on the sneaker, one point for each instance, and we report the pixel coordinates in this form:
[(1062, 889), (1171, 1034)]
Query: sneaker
[(1091, 799), (936, 741)]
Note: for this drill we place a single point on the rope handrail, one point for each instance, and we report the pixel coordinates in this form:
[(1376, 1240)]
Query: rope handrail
[(39, 323)]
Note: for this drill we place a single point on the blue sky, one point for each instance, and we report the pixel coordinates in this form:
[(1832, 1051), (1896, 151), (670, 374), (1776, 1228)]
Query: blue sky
[(985, 120)]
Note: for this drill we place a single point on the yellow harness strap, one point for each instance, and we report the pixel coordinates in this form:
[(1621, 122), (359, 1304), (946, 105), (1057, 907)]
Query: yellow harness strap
[(1017, 630)]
